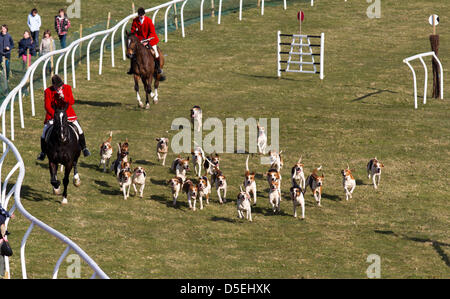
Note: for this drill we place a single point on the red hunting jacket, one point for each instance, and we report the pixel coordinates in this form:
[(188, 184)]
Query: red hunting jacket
[(52, 98), (144, 30)]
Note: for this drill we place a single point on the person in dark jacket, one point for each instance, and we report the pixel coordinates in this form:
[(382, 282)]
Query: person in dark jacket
[(62, 25), (26, 43), (3, 216), (6, 45)]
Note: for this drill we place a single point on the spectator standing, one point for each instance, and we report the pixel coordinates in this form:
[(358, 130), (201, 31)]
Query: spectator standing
[(47, 45), (62, 25), (6, 45), (26, 43), (34, 23)]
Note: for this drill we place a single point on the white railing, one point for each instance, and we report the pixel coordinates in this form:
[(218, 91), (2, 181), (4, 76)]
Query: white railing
[(15, 191), (29, 77), (420, 57)]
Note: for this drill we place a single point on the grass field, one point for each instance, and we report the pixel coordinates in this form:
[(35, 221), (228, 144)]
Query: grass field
[(363, 108)]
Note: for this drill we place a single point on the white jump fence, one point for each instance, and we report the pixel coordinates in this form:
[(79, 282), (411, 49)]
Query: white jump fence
[(420, 57), (296, 55), (63, 55)]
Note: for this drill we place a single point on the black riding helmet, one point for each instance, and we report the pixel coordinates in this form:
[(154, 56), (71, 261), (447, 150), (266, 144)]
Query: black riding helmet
[(141, 11), (57, 82)]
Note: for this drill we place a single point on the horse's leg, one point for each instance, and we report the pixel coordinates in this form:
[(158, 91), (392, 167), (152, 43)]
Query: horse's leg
[(76, 176), (148, 89), (67, 171), (155, 95), (53, 167), (136, 88)]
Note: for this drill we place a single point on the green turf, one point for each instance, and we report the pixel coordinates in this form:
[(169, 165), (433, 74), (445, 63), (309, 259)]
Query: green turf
[(363, 108)]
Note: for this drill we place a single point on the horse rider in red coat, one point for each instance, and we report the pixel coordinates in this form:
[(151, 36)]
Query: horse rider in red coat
[(145, 31), (53, 96)]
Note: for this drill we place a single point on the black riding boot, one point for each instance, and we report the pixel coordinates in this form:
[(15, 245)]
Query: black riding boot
[(86, 152), (158, 66), (41, 156)]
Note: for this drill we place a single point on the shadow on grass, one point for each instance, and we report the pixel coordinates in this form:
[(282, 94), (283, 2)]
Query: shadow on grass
[(144, 162), (226, 219), (267, 211), (263, 76), (98, 104), (377, 91), (437, 246), (361, 183), (102, 183), (158, 182), (169, 203), (91, 166), (30, 194), (331, 197)]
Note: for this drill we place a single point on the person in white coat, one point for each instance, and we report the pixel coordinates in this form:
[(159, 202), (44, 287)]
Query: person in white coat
[(34, 23)]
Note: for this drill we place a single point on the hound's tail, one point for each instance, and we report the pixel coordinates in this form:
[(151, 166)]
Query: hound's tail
[(246, 163), (110, 137)]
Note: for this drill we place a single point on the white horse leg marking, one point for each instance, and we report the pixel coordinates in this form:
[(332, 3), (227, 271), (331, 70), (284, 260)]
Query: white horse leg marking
[(155, 96), (139, 100)]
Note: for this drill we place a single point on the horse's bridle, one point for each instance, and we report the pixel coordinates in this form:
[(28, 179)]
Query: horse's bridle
[(133, 50)]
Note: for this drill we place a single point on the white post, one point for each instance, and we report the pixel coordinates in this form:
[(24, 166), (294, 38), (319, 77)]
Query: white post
[(22, 250), (59, 262), (32, 91), (262, 7), (58, 61), (182, 18), (88, 59), (44, 75), (65, 65), (426, 80), (124, 57), (312, 2), (74, 82), (11, 109), (154, 16), (240, 10), (201, 14), (278, 54), (322, 54), (165, 23), (101, 54), (415, 83), (284, 4), (220, 11), (22, 123), (112, 48)]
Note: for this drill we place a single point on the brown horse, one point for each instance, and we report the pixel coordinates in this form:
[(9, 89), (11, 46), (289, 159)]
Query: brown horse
[(144, 68)]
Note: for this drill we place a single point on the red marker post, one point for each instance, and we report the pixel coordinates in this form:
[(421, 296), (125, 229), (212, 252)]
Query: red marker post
[(300, 18)]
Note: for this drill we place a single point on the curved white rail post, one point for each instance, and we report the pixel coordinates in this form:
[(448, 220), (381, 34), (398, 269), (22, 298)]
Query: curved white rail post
[(201, 14), (74, 82), (124, 57), (284, 4), (420, 57), (220, 12), (322, 54), (165, 23), (154, 16), (88, 59), (44, 75), (182, 17), (262, 7), (101, 54), (240, 10), (57, 63), (278, 54)]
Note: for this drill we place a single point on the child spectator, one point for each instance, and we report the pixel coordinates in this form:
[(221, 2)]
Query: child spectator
[(62, 25), (47, 45), (26, 43), (34, 23), (6, 44)]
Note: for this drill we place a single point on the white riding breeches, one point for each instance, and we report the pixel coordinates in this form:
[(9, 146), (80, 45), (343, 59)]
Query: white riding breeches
[(50, 122), (155, 48)]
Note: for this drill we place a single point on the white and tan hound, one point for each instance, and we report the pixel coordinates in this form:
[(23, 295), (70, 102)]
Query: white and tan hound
[(348, 182), (274, 195), (196, 117), (125, 179), (298, 200), (261, 140), (374, 169), (139, 176), (249, 182), (220, 182), (197, 159), (315, 183), (204, 190), (106, 152), (298, 175), (191, 191), (175, 185), (180, 167), (243, 204), (162, 147)]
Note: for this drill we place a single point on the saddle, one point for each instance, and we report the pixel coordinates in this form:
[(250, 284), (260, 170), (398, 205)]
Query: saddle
[(50, 129)]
